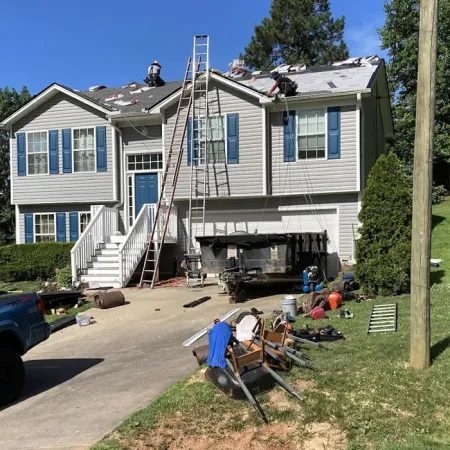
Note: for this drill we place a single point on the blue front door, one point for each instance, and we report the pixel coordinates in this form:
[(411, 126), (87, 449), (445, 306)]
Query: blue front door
[(146, 190)]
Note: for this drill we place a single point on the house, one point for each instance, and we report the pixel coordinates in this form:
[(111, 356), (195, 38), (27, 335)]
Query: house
[(86, 165)]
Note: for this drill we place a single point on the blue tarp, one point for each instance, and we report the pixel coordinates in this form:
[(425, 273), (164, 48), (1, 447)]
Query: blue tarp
[(218, 338)]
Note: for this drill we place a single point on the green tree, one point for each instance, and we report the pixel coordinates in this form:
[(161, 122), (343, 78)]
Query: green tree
[(400, 37), (383, 252), (297, 31), (10, 100)]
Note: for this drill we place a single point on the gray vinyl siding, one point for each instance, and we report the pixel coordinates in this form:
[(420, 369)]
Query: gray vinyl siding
[(46, 209), (315, 176), (225, 180), (58, 113), (146, 139), (346, 205)]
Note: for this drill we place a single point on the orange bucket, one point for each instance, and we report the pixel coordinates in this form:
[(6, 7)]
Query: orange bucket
[(334, 300)]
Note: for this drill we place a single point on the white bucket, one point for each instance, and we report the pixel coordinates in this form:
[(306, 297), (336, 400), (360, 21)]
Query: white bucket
[(289, 306)]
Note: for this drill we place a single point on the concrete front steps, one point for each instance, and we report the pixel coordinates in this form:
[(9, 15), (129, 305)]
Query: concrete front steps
[(103, 271)]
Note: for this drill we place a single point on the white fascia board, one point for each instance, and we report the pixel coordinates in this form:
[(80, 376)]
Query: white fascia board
[(43, 97), (318, 96)]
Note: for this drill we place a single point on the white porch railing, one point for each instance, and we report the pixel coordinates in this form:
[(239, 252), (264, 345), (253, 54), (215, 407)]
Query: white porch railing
[(132, 249), (103, 224)]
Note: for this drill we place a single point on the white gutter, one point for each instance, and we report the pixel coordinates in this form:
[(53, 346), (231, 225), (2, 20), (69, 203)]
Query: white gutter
[(317, 96), (116, 157), (264, 148), (10, 131), (360, 143)]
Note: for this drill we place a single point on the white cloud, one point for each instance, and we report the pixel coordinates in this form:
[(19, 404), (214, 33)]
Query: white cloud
[(364, 41)]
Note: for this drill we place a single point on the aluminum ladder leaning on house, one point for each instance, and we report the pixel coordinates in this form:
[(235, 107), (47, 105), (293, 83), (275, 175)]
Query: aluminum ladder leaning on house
[(199, 136), (163, 208)]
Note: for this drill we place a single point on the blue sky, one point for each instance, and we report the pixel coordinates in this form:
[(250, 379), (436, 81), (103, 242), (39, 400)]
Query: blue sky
[(83, 43)]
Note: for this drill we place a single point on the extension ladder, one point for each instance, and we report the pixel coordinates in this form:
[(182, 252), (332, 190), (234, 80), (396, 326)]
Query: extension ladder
[(199, 144), (163, 209)]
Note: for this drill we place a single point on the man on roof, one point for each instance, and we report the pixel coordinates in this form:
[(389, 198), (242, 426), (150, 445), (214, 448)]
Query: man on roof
[(154, 75), (285, 85)]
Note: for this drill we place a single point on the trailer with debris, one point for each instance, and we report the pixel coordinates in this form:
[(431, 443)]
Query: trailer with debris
[(242, 258)]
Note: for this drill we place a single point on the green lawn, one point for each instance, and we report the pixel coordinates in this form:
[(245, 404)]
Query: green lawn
[(24, 286), (70, 312), (363, 394)]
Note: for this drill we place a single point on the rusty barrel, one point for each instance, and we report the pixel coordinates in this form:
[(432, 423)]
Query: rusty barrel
[(106, 300), (201, 353)]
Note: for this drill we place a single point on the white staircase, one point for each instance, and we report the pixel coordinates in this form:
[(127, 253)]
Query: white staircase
[(103, 270), (101, 258)]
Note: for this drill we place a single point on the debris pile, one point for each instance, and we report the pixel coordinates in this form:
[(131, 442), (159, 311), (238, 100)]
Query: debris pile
[(246, 357)]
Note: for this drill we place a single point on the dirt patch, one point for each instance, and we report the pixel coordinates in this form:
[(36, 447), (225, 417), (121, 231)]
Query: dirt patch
[(279, 401), (198, 377), (396, 411), (324, 436), (304, 385), (275, 436)]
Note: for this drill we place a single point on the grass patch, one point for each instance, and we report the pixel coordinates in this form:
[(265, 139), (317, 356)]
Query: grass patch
[(24, 286), (70, 312), (362, 394)]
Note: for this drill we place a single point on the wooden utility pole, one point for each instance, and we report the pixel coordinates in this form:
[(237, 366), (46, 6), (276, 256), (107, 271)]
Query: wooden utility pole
[(423, 177)]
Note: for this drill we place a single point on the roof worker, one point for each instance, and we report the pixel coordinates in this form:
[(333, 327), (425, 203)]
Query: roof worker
[(284, 84), (154, 75)]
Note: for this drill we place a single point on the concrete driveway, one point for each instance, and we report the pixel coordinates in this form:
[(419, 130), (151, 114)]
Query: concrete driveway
[(82, 382)]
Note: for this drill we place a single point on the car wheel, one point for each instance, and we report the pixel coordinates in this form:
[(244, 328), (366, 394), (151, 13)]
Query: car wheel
[(12, 375)]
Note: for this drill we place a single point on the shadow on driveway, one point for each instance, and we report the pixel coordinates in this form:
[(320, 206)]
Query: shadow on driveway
[(45, 374)]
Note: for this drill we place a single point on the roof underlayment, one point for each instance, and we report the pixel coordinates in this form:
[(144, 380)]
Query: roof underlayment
[(338, 78)]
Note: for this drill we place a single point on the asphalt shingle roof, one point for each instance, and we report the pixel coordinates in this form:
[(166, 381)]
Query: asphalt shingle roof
[(320, 79), (146, 99)]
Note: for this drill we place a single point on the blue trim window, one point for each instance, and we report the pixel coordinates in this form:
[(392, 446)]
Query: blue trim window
[(44, 228), (37, 153), (84, 150), (311, 134)]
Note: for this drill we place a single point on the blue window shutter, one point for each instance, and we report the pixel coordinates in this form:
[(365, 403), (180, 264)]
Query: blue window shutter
[(21, 155), (67, 150), (53, 147), (101, 149), (73, 226), (29, 228), (189, 143), (289, 136), (334, 132), (61, 227), (233, 138)]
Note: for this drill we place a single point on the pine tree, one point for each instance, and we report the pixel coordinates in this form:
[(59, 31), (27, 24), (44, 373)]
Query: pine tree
[(10, 100), (383, 252), (400, 37), (297, 31)]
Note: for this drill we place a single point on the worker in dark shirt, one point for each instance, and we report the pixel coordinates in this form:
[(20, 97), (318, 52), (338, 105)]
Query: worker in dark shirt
[(284, 84), (154, 75)]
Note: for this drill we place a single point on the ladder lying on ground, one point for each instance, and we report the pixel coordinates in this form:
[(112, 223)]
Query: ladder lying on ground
[(191, 91)]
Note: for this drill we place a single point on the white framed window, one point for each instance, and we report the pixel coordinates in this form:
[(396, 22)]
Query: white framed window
[(84, 153), (44, 228), (84, 219), (37, 153), (311, 134), (130, 187), (153, 161), (216, 138)]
